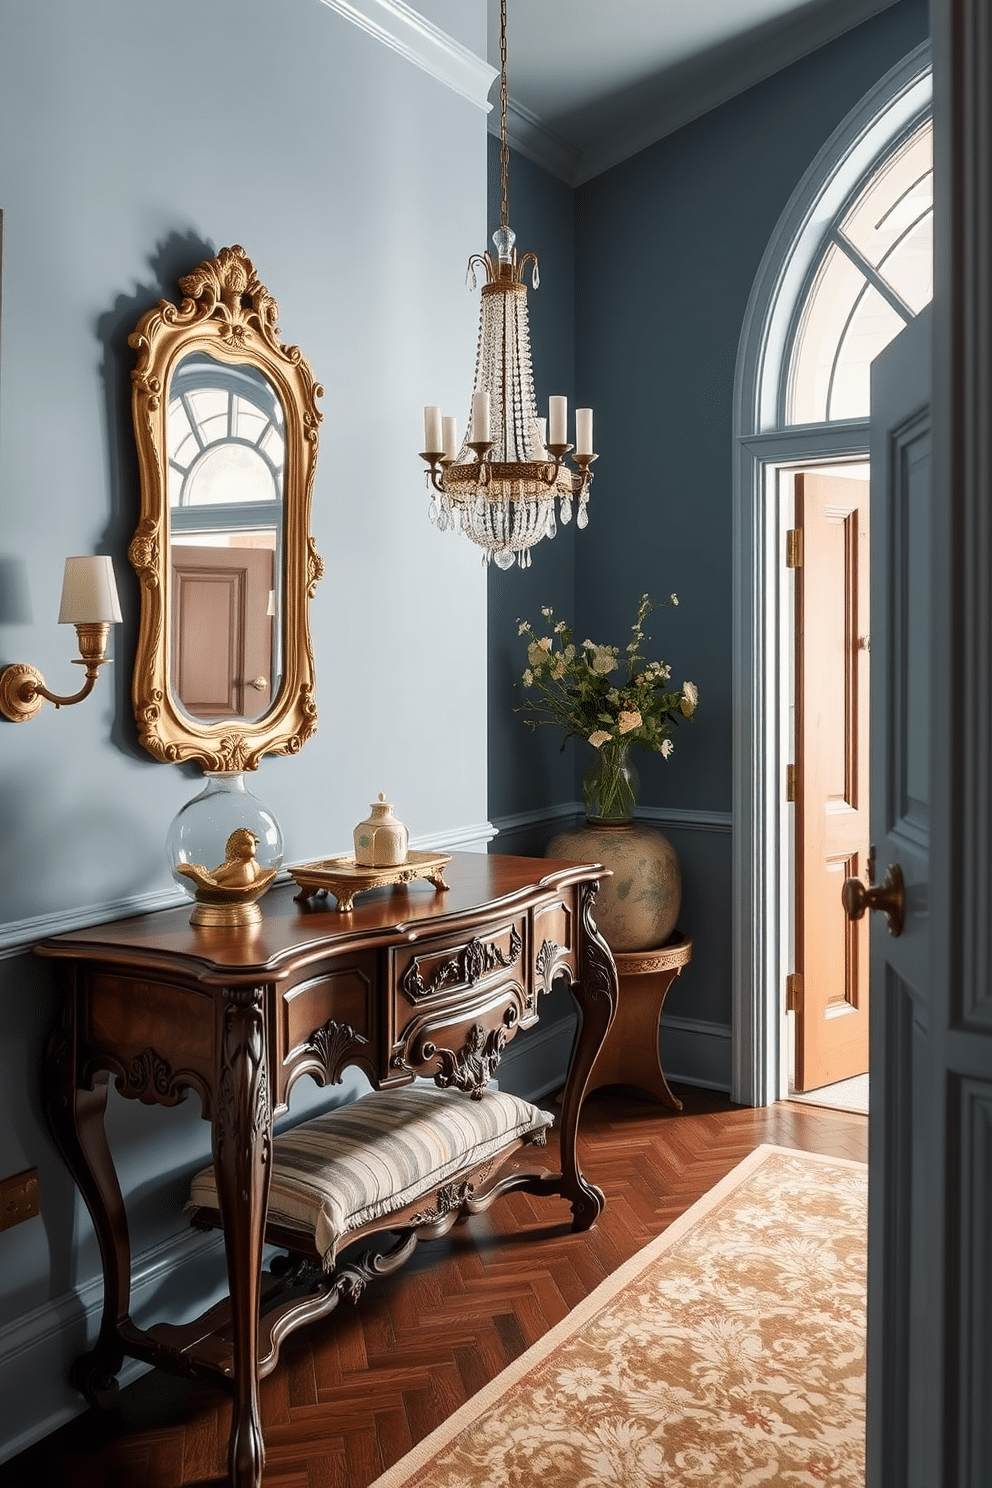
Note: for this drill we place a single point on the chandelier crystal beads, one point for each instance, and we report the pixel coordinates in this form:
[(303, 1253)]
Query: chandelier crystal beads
[(503, 482)]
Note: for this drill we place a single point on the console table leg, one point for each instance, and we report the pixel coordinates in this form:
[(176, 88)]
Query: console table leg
[(242, 1149), (76, 1121), (596, 994)]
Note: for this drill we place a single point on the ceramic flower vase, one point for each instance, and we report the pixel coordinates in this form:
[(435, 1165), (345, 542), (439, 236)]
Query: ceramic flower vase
[(638, 907)]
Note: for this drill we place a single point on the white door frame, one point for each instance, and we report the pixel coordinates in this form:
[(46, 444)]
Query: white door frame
[(762, 445)]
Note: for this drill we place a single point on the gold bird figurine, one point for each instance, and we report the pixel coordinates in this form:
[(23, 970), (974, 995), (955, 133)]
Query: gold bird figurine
[(227, 895)]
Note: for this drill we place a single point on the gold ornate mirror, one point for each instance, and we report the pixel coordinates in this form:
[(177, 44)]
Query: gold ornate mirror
[(225, 420)]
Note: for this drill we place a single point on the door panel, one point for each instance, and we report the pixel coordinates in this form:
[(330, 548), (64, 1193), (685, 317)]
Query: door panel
[(901, 1442), (832, 674), (222, 630)]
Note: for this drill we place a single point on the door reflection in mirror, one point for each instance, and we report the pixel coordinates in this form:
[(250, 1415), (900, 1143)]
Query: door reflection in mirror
[(226, 435)]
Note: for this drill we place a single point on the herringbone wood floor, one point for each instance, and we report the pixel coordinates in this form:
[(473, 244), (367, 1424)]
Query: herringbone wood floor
[(352, 1395)]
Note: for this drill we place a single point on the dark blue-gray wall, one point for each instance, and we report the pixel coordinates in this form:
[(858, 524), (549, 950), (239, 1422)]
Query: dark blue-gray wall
[(528, 771), (666, 249)]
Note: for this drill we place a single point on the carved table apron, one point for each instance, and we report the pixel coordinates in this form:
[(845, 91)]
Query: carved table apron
[(410, 982)]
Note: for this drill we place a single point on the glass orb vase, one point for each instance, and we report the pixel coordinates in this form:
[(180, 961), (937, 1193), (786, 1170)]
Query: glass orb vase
[(224, 849)]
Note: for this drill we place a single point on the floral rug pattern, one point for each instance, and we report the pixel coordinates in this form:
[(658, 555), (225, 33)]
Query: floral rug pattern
[(730, 1353)]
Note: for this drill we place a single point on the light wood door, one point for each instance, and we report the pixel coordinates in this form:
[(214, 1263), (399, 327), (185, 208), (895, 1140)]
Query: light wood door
[(832, 662), (222, 631)]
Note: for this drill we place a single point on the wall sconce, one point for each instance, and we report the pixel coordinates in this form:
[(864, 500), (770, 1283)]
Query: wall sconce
[(90, 603)]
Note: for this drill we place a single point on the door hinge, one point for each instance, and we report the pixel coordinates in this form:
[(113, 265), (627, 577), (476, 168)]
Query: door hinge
[(793, 992), (794, 548), (790, 782)]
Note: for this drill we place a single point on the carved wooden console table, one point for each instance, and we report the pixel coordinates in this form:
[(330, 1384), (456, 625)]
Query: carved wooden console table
[(412, 981)]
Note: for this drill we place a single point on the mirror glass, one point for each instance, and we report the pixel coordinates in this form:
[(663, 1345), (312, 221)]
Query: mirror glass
[(226, 441)]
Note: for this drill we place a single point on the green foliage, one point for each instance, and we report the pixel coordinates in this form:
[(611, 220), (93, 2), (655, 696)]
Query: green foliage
[(589, 693)]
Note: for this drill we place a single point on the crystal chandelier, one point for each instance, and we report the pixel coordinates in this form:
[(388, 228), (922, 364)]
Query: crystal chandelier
[(503, 481)]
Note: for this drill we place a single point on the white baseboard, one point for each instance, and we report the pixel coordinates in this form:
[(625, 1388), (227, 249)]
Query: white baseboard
[(696, 1053), (692, 1053), (37, 1349)]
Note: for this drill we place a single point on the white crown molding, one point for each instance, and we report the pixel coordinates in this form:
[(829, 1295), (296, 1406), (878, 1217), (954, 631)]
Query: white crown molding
[(676, 97), (404, 30), (526, 133)]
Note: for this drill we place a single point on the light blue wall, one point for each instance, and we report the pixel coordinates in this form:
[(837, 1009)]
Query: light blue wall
[(134, 141)]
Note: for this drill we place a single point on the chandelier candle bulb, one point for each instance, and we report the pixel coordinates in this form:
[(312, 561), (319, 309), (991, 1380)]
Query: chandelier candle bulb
[(558, 420), (481, 429), (449, 437), (583, 431), (432, 430)]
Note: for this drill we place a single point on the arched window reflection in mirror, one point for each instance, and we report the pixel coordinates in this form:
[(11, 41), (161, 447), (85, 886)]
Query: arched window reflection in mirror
[(226, 439)]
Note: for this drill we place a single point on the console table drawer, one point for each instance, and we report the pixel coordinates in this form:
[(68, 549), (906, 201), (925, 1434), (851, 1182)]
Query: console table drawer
[(442, 970)]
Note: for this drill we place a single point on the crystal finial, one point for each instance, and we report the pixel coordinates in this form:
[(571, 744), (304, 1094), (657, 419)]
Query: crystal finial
[(503, 241)]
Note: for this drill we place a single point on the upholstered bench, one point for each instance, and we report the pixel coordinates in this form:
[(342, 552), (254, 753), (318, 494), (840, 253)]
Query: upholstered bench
[(412, 1160)]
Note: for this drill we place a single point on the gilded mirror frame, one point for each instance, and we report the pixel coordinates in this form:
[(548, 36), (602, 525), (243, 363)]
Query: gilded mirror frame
[(227, 314)]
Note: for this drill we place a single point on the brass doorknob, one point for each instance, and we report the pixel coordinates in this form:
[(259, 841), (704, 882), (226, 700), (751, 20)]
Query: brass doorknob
[(889, 896), (259, 684)]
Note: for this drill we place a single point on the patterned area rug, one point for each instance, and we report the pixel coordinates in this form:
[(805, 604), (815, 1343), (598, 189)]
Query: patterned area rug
[(729, 1353)]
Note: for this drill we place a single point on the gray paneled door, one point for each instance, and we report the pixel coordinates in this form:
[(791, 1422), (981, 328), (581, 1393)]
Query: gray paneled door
[(930, 1146), (905, 1081)]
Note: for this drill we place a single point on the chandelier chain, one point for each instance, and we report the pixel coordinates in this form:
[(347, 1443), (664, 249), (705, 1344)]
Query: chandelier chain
[(504, 153)]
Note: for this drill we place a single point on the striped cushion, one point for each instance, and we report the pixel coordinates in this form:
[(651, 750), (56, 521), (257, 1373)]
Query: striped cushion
[(362, 1161)]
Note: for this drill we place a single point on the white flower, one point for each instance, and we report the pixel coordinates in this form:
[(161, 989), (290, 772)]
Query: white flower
[(628, 721), (602, 660), (538, 652), (528, 678), (690, 697), (667, 748), (598, 737), (523, 626), (674, 598)]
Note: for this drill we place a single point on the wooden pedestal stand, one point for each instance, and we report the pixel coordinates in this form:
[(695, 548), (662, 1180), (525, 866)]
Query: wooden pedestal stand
[(630, 1052)]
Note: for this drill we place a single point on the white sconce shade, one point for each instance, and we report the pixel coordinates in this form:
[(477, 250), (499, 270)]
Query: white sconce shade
[(89, 592)]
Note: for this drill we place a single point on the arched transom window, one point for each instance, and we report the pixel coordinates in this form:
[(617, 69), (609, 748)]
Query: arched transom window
[(874, 276)]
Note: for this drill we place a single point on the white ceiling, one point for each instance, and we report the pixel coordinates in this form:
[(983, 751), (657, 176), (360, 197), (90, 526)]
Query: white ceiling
[(593, 81)]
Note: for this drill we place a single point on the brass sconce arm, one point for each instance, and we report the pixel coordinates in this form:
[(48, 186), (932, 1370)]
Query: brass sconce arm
[(22, 687), (88, 590)]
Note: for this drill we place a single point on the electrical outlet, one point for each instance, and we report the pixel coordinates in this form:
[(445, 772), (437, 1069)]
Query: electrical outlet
[(19, 1198)]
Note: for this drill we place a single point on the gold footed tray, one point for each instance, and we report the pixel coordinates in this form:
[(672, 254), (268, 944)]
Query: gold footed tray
[(345, 879)]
